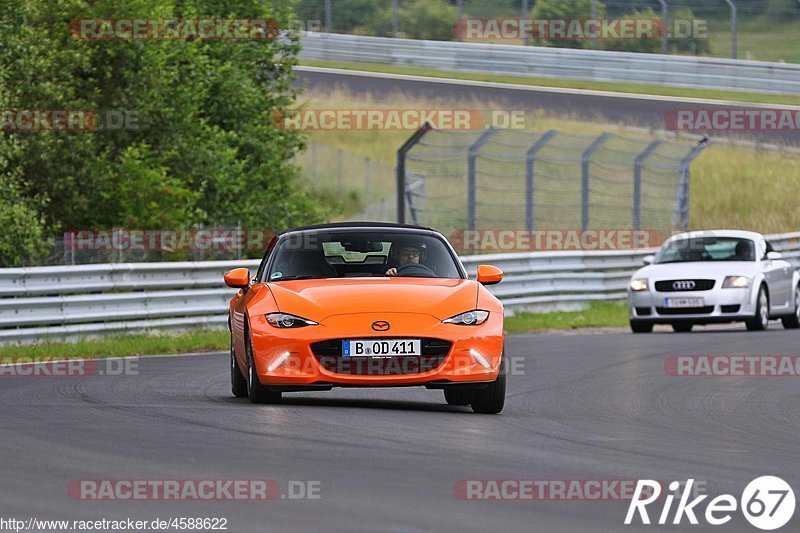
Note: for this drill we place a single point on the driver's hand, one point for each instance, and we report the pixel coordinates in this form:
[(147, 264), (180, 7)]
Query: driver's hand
[(391, 272)]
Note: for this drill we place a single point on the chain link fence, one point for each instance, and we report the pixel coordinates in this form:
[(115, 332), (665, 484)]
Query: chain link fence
[(528, 180), (453, 181), (365, 188)]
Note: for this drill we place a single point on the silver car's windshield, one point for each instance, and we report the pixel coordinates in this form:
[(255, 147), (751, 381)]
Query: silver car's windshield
[(707, 249)]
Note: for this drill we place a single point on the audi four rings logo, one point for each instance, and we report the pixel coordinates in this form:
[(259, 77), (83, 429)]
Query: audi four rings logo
[(381, 325), (683, 285)]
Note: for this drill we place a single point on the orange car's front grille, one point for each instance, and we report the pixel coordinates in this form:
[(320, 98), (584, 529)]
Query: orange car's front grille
[(329, 355)]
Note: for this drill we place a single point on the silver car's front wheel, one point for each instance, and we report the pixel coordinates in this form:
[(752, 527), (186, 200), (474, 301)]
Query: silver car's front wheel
[(760, 321), (793, 321)]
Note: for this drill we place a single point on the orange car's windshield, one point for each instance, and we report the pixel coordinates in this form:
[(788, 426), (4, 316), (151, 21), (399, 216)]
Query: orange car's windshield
[(328, 254)]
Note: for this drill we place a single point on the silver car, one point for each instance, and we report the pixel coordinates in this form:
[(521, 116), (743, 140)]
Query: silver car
[(714, 276)]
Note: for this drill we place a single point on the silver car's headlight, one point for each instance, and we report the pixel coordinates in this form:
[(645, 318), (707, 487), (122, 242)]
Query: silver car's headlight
[(736, 282), (639, 284), (470, 318), (285, 320)]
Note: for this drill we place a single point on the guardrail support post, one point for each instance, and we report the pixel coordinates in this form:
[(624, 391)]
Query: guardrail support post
[(530, 157), (471, 178), (585, 160), (637, 182), (401, 170), (681, 217)]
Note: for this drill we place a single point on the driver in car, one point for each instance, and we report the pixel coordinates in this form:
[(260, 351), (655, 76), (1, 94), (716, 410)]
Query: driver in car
[(409, 255)]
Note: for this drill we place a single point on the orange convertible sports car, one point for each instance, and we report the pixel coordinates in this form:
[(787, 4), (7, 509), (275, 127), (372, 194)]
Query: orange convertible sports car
[(366, 305)]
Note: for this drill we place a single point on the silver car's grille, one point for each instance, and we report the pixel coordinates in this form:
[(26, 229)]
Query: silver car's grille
[(705, 310), (683, 285)]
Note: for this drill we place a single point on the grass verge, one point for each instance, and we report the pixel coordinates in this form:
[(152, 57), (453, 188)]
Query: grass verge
[(599, 314), (633, 88), (142, 344), (202, 340), (731, 186)]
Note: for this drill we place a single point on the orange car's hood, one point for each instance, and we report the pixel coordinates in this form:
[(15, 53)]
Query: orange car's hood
[(320, 298)]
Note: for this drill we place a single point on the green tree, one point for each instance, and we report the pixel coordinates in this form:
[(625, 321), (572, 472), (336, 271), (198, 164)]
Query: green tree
[(204, 149), (22, 239), (687, 44), (651, 44), (565, 9), (428, 19)]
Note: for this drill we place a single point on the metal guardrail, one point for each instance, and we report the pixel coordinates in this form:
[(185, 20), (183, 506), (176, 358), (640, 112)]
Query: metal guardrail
[(71, 301), (531, 61)]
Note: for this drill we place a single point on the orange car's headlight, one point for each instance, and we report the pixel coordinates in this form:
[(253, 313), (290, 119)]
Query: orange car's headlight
[(285, 320), (475, 317)]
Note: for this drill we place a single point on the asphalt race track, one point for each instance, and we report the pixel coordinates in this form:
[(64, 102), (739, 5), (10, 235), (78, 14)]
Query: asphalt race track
[(597, 106), (579, 407)]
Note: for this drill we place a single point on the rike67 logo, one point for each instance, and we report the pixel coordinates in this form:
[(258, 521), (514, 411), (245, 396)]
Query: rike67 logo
[(767, 503)]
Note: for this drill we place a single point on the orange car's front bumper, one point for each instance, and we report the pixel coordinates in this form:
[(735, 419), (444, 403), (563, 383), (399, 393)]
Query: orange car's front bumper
[(284, 356)]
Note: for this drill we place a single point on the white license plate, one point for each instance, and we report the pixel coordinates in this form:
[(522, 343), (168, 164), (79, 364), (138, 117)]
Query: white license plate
[(674, 303), (381, 347)]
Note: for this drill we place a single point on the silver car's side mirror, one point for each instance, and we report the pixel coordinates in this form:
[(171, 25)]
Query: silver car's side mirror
[(648, 259), (774, 255)]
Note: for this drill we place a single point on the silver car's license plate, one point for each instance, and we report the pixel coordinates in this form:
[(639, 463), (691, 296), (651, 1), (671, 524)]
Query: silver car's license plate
[(381, 347), (676, 303)]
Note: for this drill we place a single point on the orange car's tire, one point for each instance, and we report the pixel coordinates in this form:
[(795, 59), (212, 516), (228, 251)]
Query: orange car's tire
[(257, 392), (238, 383), (457, 397), (491, 399)]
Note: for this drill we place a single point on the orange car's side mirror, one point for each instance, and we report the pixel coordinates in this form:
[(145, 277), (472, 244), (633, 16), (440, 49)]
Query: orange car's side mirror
[(238, 278), (489, 275)]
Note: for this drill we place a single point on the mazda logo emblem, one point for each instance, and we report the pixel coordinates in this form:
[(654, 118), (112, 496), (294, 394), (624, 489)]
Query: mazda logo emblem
[(683, 285), (381, 325)]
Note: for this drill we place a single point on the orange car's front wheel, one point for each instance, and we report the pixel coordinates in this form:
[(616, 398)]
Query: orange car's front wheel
[(491, 399), (238, 383), (257, 392)]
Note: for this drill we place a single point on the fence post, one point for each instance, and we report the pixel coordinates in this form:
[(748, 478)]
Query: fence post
[(401, 170), (472, 155), (637, 182), (734, 37), (366, 179), (664, 30), (339, 172), (239, 238), (328, 17), (530, 157), (681, 217), (585, 160), (314, 162), (72, 246)]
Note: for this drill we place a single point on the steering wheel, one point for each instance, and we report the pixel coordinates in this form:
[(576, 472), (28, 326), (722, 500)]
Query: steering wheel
[(416, 270)]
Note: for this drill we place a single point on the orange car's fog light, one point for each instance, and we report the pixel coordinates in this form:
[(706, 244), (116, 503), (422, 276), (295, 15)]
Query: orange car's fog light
[(481, 360), (278, 361)]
